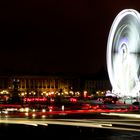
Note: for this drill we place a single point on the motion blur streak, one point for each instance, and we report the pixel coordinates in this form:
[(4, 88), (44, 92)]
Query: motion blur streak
[(97, 123), (123, 115)]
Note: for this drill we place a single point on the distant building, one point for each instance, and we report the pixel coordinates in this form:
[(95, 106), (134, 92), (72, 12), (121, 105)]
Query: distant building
[(97, 82), (91, 86), (40, 84)]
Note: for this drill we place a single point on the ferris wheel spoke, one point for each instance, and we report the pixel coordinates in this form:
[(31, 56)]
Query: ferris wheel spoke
[(123, 52)]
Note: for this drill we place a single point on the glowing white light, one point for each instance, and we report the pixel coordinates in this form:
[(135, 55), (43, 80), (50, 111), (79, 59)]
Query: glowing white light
[(33, 115), (21, 109), (26, 114), (62, 107), (5, 111), (123, 48), (26, 109), (43, 110), (43, 116)]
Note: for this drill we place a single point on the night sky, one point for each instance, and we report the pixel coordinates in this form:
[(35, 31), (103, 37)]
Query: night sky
[(52, 36)]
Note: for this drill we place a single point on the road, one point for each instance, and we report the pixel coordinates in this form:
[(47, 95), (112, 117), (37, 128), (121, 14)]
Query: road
[(128, 122)]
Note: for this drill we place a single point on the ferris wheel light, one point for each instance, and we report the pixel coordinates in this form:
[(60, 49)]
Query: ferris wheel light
[(123, 48)]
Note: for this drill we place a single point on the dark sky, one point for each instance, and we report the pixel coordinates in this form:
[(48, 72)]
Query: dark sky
[(57, 35)]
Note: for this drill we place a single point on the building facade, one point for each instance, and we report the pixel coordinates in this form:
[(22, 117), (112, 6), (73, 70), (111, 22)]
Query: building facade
[(94, 86), (46, 85), (39, 85)]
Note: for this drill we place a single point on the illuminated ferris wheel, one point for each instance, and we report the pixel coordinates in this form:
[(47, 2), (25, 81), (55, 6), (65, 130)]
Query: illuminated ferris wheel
[(123, 53)]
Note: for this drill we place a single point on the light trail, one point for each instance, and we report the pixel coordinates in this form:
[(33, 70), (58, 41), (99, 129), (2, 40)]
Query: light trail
[(98, 123), (123, 115)]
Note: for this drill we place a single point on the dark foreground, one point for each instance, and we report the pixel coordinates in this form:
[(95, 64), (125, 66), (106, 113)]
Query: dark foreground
[(61, 132)]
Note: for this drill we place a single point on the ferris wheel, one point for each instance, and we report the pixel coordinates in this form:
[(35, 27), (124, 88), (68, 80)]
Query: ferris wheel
[(123, 53)]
